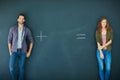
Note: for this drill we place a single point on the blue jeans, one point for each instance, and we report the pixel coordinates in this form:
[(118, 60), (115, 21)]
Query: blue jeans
[(104, 73), (17, 57)]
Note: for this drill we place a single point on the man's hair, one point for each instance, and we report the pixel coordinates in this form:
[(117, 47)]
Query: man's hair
[(21, 14)]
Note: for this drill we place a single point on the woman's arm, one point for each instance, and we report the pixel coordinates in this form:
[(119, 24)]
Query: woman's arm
[(107, 44), (110, 41), (99, 48)]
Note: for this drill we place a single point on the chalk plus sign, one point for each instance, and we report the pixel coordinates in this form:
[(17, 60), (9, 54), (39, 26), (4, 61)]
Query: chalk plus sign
[(41, 36)]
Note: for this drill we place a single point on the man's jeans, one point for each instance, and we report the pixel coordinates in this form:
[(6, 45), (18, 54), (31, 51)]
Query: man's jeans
[(104, 73), (17, 71)]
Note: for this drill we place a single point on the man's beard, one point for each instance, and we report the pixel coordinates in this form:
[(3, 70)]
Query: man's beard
[(21, 23)]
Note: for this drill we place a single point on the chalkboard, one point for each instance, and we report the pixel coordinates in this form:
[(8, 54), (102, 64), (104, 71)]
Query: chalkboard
[(64, 37)]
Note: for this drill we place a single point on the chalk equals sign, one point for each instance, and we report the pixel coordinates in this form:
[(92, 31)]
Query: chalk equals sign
[(81, 36)]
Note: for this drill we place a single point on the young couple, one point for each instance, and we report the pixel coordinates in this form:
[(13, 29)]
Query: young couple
[(17, 45)]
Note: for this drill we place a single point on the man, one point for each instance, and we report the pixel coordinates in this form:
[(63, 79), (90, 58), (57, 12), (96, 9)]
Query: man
[(17, 45)]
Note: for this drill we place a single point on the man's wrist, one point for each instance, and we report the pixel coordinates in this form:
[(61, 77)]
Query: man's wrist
[(29, 51)]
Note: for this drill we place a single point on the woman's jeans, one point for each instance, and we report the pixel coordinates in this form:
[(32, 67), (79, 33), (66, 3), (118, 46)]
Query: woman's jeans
[(104, 64)]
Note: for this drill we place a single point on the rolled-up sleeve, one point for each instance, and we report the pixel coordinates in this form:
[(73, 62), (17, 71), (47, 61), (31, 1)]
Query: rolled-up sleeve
[(10, 35), (30, 36)]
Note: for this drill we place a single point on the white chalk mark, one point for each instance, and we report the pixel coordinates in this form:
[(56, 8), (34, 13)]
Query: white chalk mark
[(81, 36), (41, 36)]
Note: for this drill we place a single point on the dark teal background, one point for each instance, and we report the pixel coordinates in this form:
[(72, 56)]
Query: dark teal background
[(61, 56)]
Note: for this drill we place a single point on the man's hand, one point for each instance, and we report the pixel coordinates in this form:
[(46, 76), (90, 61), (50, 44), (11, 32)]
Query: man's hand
[(10, 48), (10, 53), (29, 51), (28, 54)]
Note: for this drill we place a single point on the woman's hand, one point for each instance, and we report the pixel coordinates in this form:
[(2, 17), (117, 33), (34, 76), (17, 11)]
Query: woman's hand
[(100, 47), (101, 55)]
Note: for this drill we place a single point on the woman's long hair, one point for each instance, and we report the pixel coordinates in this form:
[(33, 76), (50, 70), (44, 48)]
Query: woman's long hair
[(107, 25)]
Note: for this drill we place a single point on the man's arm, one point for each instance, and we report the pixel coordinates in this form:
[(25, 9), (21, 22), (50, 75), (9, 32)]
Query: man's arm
[(30, 49), (10, 40), (31, 43), (10, 48)]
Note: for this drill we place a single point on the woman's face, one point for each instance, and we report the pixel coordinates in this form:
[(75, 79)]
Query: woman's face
[(103, 23)]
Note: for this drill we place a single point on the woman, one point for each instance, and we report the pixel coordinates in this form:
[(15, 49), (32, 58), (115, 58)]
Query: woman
[(104, 37)]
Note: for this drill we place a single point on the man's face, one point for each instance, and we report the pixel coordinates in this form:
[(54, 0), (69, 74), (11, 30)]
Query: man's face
[(21, 19)]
